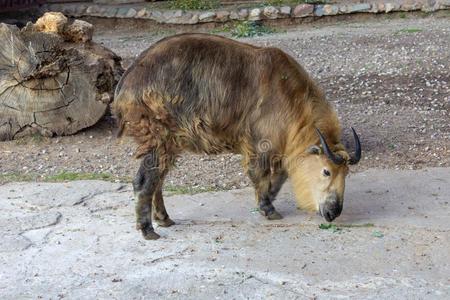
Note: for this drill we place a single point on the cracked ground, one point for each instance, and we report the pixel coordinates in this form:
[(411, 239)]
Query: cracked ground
[(77, 240)]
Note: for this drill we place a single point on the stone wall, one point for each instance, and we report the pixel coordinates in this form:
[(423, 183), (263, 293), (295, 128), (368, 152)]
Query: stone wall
[(251, 14)]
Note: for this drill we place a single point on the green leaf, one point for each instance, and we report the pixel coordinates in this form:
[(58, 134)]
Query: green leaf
[(332, 227), (377, 234), (325, 226)]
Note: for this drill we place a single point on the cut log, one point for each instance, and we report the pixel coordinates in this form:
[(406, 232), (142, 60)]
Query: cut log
[(51, 85)]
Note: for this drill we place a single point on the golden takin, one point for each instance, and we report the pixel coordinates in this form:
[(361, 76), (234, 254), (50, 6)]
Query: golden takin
[(209, 94)]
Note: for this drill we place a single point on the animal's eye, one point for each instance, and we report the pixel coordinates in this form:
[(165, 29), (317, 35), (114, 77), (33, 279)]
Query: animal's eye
[(326, 173)]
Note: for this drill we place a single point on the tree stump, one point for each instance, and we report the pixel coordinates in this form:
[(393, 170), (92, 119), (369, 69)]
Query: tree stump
[(53, 79)]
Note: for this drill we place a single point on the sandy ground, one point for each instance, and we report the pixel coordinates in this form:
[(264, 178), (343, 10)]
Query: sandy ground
[(389, 79)]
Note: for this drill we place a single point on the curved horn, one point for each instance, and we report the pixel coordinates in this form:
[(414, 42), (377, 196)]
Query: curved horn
[(337, 159), (355, 159)]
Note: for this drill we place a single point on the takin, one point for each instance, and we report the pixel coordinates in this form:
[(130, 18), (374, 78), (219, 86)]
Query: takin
[(209, 94)]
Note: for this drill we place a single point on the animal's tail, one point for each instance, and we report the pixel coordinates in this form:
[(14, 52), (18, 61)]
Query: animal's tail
[(127, 111), (145, 119), (118, 118)]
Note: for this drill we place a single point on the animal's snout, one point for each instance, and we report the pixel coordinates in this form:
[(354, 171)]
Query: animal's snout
[(331, 208)]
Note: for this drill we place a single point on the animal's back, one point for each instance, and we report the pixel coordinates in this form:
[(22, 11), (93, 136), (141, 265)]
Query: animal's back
[(209, 89)]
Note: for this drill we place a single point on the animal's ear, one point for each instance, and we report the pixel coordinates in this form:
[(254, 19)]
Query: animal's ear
[(314, 150), (343, 154)]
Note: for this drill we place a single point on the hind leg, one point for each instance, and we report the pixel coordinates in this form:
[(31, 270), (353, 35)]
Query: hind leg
[(149, 177), (160, 215)]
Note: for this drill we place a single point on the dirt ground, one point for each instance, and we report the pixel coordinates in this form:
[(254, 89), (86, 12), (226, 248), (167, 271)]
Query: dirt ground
[(389, 79)]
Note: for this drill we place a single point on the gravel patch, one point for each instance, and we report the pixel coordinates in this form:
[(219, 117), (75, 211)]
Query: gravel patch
[(389, 79)]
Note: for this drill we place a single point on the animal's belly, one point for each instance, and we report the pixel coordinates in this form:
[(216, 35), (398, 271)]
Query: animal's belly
[(207, 144)]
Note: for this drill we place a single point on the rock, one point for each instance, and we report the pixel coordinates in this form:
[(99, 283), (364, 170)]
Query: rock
[(172, 14), (330, 10), (53, 7), (443, 4), (179, 17), (102, 11), (234, 15), (377, 7), (303, 10), (79, 31), (243, 14), (154, 15), (68, 10), (194, 19), (118, 1), (157, 16), (51, 22), (255, 14), (360, 7), (391, 7), (206, 17), (80, 10), (122, 12), (142, 13), (318, 10), (429, 6), (285, 11), (110, 12), (131, 13), (410, 5), (222, 16), (92, 10), (270, 12), (342, 8)]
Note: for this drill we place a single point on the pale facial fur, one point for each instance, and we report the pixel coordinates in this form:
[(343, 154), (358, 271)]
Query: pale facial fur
[(316, 179)]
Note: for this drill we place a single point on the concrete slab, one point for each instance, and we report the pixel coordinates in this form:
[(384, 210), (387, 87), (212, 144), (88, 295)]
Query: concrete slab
[(416, 198), (77, 240)]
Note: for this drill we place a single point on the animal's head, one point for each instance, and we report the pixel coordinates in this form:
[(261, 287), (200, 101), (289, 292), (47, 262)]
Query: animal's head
[(319, 177)]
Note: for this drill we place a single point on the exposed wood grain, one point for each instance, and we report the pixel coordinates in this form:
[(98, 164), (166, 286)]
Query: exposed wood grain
[(50, 86)]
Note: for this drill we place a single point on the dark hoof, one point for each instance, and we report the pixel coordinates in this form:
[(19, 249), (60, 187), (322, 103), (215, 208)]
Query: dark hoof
[(147, 231), (150, 235), (165, 223), (274, 215), (271, 215)]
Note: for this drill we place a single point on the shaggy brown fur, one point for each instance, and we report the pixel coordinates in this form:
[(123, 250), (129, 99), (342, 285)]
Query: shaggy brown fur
[(209, 94)]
